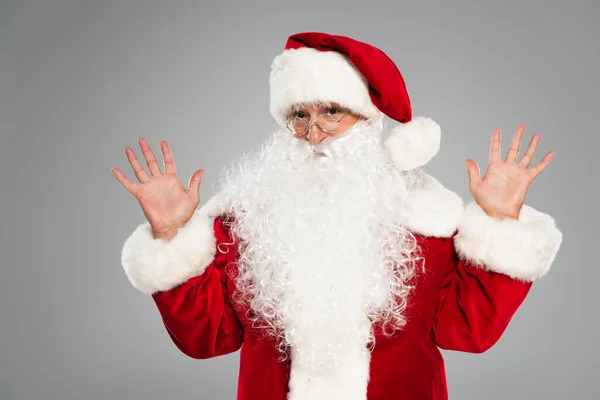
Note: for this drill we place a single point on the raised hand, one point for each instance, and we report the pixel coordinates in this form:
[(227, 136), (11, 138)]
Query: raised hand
[(501, 192), (165, 202)]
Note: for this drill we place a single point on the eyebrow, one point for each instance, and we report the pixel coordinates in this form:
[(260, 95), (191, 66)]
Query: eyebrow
[(319, 104)]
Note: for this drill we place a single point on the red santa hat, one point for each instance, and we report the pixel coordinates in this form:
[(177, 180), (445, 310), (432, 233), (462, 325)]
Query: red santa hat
[(319, 67)]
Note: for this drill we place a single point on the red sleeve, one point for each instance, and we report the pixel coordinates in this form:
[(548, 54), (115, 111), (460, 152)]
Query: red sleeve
[(475, 305), (198, 314), (491, 266)]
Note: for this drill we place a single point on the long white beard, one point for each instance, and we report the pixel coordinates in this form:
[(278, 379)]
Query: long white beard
[(323, 254)]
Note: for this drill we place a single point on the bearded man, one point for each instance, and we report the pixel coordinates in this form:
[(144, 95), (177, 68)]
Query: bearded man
[(335, 264)]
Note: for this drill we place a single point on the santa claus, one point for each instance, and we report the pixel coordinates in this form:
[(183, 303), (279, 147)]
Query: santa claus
[(328, 256)]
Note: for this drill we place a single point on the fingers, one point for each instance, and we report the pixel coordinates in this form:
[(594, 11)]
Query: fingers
[(135, 165), (138, 170), (474, 173), (494, 154), (168, 157), (530, 153), (515, 144), (127, 184), (195, 180), (150, 159), (544, 162)]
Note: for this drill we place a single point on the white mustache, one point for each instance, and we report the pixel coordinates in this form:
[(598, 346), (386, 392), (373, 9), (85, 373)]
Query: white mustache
[(323, 153), (341, 145)]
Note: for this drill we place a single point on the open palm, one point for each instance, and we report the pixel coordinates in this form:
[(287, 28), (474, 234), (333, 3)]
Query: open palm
[(502, 190), (165, 202)]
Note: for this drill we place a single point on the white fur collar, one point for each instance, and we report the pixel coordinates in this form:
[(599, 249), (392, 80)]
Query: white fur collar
[(436, 212)]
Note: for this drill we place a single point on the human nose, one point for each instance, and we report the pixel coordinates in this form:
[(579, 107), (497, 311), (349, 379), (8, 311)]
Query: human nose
[(315, 134)]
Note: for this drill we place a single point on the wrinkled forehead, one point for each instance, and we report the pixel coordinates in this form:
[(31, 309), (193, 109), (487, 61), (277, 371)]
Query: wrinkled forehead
[(311, 105), (318, 106)]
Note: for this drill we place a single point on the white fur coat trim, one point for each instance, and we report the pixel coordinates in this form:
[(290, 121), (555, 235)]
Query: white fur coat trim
[(523, 249), (435, 210), (153, 265), (349, 382)]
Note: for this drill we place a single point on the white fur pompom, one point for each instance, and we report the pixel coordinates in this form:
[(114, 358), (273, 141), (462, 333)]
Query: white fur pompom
[(413, 144)]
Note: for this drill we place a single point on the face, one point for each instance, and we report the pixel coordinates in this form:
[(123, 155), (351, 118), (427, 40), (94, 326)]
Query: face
[(309, 114)]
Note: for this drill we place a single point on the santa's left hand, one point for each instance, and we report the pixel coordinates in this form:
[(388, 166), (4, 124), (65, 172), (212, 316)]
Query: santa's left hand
[(501, 192)]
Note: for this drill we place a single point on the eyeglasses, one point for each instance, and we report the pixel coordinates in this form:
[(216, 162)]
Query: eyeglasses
[(326, 122)]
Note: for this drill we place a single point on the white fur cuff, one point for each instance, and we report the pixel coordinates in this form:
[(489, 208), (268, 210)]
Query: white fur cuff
[(523, 249), (153, 265)]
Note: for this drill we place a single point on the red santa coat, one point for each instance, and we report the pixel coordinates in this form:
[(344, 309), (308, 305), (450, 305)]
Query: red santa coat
[(478, 272)]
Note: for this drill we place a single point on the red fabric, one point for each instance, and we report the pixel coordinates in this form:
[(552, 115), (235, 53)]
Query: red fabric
[(387, 88), (456, 306)]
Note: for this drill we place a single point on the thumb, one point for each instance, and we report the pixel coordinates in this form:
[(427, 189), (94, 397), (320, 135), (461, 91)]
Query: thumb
[(195, 180), (473, 170)]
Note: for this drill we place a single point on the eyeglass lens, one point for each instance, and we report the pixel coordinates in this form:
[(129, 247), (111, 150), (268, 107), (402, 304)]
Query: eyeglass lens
[(327, 122)]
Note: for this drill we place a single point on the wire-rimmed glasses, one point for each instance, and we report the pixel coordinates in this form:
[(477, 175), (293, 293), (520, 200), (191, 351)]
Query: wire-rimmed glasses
[(326, 122)]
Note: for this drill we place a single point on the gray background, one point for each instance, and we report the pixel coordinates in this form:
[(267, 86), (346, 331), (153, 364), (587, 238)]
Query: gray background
[(80, 80)]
